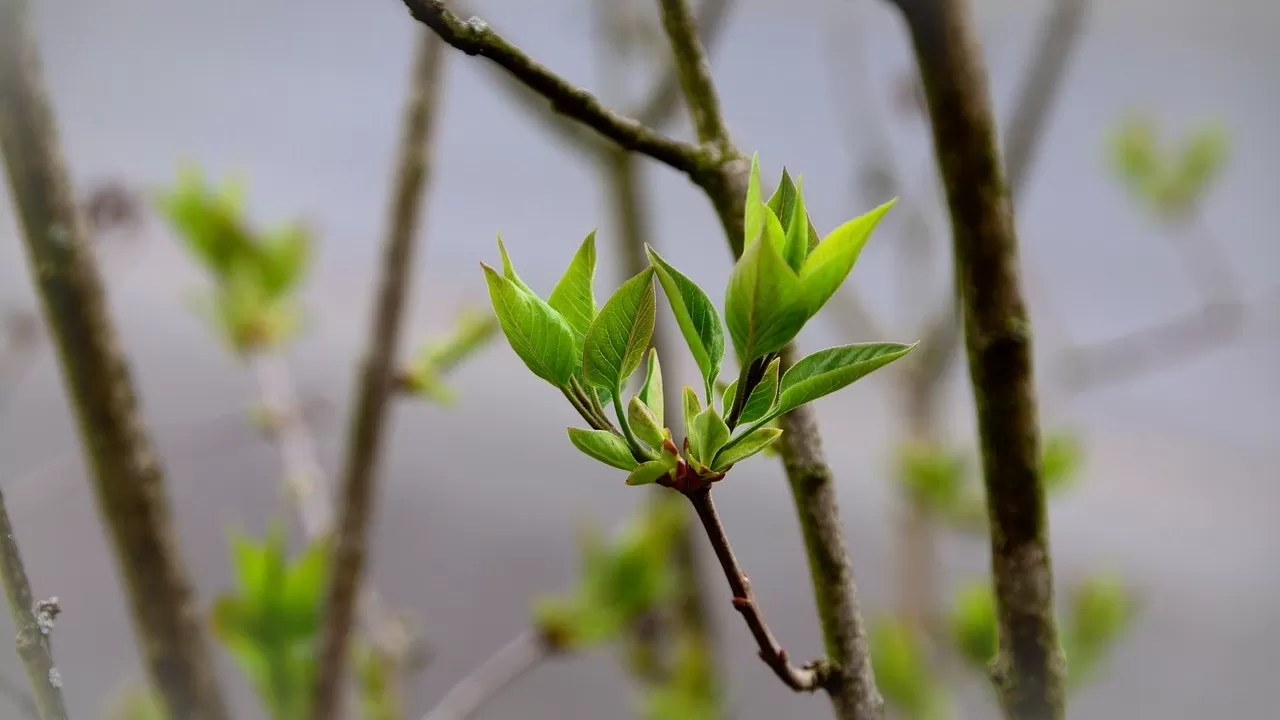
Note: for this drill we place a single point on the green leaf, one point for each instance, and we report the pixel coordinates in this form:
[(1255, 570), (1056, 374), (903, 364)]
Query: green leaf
[(537, 333), (763, 396), (620, 334), (648, 472), (603, 446), (643, 422), (750, 444), (783, 201), (726, 398), (1060, 460), (903, 671), (827, 371), (712, 434), (829, 264), (574, 297), (651, 390), (798, 227), (765, 303), (691, 409), (697, 317), (754, 209), (509, 270)]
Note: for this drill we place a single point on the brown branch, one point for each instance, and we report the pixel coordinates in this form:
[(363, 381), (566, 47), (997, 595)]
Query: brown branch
[(376, 382), (1030, 670), (1039, 87), (694, 71), (34, 623), (475, 37), (806, 679), (504, 667), (664, 99), (126, 475)]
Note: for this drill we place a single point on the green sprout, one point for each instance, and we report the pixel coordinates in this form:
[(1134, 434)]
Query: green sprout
[(786, 275)]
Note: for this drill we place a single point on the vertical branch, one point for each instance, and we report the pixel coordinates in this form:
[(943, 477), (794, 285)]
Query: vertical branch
[(376, 381), (34, 623), (1030, 671), (127, 478)]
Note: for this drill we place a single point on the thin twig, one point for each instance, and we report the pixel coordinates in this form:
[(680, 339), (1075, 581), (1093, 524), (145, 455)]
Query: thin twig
[(377, 379), (807, 679), (475, 37), (1029, 671), (34, 622), (127, 477), (504, 667), (694, 70)]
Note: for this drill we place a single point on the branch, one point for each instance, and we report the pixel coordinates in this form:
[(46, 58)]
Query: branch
[(377, 379), (664, 98), (694, 71), (723, 176), (1039, 87), (34, 622), (475, 37), (127, 478), (806, 679), (504, 667), (1030, 671)]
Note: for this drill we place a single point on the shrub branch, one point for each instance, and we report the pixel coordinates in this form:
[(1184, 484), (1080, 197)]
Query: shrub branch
[(127, 478), (1030, 670)]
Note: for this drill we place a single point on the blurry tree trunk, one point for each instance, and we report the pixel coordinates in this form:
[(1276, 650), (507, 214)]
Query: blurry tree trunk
[(127, 478)]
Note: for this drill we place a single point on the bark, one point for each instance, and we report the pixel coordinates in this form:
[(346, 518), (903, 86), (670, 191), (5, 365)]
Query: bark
[(127, 478)]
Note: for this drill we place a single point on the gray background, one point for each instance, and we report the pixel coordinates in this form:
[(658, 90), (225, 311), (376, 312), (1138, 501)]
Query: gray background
[(302, 99)]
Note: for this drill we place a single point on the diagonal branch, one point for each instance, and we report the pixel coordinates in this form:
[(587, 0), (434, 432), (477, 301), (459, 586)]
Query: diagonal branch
[(376, 384), (34, 622), (126, 476), (508, 664), (475, 37), (1030, 672)]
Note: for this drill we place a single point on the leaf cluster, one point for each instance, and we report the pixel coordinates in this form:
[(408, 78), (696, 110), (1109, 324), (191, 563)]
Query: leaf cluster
[(786, 274), (1170, 181), (255, 273)]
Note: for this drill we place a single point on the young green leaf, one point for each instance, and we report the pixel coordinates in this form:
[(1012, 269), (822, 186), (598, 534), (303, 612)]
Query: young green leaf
[(763, 396), (620, 334), (574, 296), (603, 446), (643, 423), (827, 371), (726, 398), (765, 302), (712, 434), (796, 247), (509, 270), (691, 409), (755, 210), (648, 473), (783, 201), (651, 390), (538, 334), (697, 317), (750, 444), (830, 262)]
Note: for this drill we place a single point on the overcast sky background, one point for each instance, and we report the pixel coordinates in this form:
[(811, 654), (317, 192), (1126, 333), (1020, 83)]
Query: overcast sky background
[(303, 100)]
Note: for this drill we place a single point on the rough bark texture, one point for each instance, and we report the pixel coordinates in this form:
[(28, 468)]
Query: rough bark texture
[(1029, 670), (127, 479), (376, 384)]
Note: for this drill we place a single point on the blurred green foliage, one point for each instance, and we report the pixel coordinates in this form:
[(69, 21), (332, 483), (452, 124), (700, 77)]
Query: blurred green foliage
[(1169, 179)]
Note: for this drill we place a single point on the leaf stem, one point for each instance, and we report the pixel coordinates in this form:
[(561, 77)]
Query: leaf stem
[(641, 451)]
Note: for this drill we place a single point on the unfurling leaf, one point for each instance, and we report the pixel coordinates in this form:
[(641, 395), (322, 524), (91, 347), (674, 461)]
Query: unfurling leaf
[(829, 264), (799, 232), (643, 423), (648, 472), (537, 333), (827, 371), (754, 209), (712, 433), (691, 409), (574, 295), (697, 317), (765, 304), (651, 390), (509, 270), (619, 336), (604, 446), (750, 444), (764, 396)]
